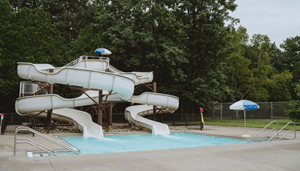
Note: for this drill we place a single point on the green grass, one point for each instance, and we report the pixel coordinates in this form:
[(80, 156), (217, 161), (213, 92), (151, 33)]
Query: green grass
[(254, 123)]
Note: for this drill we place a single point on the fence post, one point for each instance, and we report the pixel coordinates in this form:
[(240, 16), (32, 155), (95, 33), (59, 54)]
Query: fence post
[(173, 118), (221, 111), (1, 122), (187, 119), (33, 124), (271, 110), (212, 111)]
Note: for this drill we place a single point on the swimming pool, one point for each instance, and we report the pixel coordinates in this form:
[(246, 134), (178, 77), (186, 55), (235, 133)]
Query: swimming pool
[(145, 142)]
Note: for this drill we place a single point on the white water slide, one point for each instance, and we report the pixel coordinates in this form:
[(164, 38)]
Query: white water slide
[(93, 74)]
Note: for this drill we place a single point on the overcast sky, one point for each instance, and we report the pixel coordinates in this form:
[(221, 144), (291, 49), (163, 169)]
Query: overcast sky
[(278, 19)]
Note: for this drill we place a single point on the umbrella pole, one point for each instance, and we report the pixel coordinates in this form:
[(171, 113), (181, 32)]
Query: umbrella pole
[(245, 120)]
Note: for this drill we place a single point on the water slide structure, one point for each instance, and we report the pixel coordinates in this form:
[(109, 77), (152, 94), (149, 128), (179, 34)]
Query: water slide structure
[(101, 82)]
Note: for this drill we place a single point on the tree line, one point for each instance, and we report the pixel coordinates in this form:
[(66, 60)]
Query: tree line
[(194, 54)]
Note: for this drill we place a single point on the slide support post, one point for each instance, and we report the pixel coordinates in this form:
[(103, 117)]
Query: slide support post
[(100, 108), (49, 112), (154, 107)]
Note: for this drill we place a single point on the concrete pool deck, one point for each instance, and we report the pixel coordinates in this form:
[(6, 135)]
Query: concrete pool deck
[(275, 155)]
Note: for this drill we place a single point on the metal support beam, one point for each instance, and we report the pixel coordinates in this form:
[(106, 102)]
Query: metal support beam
[(43, 89), (146, 85)]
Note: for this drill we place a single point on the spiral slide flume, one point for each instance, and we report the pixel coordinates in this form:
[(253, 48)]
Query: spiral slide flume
[(91, 74)]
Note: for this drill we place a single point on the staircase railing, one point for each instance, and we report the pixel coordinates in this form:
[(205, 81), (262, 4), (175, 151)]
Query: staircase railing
[(67, 147), (287, 131), (267, 132)]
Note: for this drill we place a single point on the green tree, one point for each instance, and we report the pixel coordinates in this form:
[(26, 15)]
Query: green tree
[(291, 60), (291, 54), (237, 65), (203, 37), (277, 59), (6, 30), (5, 26), (268, 84), (180, 41), (31, 38), (88, 40), (257, 52), (68, 16), (250, 70), (141, 35), (296, 72), (278, 86)]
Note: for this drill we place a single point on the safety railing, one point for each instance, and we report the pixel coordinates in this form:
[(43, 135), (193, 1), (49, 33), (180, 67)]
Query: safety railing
[(72, 63), (267, 132), (66, 147), (76, 61), (286, 132)]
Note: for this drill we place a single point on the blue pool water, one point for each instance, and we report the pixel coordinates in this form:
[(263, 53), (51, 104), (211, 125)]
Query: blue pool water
[(144, 142)]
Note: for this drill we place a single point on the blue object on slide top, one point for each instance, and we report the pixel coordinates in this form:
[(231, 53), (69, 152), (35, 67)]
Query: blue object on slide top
[(102, 51)]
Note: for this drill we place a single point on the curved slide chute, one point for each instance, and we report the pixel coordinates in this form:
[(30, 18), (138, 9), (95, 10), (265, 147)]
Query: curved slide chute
[(163, 102), (78, 118), (92, 79), (93, 74)]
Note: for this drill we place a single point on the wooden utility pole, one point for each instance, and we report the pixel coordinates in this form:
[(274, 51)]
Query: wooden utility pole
[(154, 107), (109, 112), (100, 107), (49, 112)]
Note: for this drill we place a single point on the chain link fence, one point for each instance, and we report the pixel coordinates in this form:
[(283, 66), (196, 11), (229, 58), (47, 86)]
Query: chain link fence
[(178, 119), (267, 110)]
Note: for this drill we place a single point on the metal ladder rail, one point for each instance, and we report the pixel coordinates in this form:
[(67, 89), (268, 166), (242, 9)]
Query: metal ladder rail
[(264, 129), (270, 132), (35, 144), (72, 63), (62, 144), (65, 146), (67, 143), (285, 133), (40, 146), (68, 147)]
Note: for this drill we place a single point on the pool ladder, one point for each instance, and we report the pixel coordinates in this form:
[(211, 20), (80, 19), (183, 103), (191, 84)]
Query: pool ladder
[(277, 133), (65, 146)]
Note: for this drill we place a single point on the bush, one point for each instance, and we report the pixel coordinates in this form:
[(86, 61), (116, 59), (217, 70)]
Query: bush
[(294, 112)]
